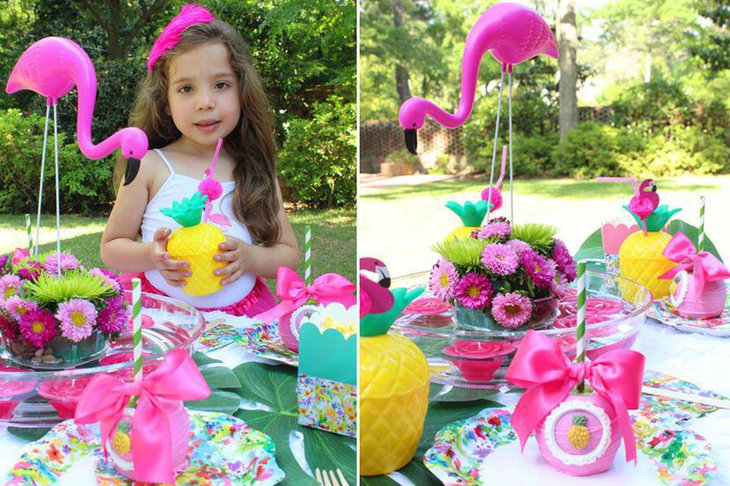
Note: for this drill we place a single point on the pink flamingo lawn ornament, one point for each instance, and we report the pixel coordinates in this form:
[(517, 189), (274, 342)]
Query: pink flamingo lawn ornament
[(375, 297), (512, 33), (52, 67), (645, 199)]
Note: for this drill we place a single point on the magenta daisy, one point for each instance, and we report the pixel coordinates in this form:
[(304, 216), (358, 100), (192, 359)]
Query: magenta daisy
[(8, 328), (519, 246), (473, 291), (17, 307), (108, 277), (559, 286), (443, 278), (537, 269), (114, 318), (9, 285), (496, 230), (38, 327), (511, 310), (500, 259), (68, 262), (564, 260), (77, 317)]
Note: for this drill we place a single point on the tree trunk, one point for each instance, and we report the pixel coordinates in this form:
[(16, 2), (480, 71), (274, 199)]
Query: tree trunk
[(567, 46), (401, 73)]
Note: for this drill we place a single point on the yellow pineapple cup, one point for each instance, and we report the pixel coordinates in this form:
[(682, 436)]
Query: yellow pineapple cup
[(471, 215), (394, 383), (197, 243), (641, 258)]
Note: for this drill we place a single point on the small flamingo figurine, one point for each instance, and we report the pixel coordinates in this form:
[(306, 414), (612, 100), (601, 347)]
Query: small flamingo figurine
[(52, 67), (375, 298), (512, 33), (645, 199)]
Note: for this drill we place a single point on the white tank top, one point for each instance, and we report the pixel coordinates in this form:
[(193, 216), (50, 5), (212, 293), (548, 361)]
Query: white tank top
[(175, 188)]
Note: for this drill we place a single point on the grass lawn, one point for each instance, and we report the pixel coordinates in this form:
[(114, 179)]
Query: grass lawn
[(333, 237), (399, 224)]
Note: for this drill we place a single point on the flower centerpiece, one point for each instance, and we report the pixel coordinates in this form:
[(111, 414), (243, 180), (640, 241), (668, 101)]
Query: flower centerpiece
[(503, 276), (54, 313)]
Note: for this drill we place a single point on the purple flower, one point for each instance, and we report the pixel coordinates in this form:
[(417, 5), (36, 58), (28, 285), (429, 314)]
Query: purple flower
[(31, 271), (443, 278), (474, 291), (38, 327), (68, 262), (495, 229), (537, 269), (9, 285), (3, 263), (78, 317), (114, 318), (17, 307), (564, 260), (511, 310), (519, 246), (500, 259), (109, 278)]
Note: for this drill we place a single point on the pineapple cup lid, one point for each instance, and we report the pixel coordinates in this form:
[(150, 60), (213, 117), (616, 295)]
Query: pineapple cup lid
[(471, 214), (187, 212), (376, 324), (657, 219)]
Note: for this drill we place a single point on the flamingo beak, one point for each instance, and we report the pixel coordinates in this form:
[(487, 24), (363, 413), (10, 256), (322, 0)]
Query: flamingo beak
[(132, 170), (411, 140), (383, 276)]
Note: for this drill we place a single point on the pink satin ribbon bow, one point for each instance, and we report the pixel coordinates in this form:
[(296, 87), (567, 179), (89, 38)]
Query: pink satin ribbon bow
[(293, 293), (548, 376), (160, 394), (705, 267)]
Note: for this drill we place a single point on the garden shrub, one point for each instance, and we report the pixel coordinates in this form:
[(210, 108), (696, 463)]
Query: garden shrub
[(85, 184), (652, 106), (317, 165)]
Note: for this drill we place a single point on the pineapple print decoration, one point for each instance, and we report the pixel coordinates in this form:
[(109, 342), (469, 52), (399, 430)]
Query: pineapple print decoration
[(121, 443), (471, 215), (640, 255), (394, 384), (578, 434), (197, 243)]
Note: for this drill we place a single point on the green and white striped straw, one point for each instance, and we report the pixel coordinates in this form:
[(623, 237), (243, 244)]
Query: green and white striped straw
[(137, 327), (29, 234), (580, 351), (701, 237), (308, 255)]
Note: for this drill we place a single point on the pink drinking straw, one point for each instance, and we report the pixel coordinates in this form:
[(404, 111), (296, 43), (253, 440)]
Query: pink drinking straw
[(210, 185)]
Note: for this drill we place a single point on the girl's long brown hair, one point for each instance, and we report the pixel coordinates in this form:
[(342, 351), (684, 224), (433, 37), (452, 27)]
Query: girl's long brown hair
[(255, 199)]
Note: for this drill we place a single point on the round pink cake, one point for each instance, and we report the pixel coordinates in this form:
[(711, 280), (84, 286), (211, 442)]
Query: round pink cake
[(580, 436), (119, 444)]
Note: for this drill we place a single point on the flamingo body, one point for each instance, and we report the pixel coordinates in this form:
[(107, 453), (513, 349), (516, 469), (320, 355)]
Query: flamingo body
[(645, 200), (52, 67), (375, 297), (512, 33)]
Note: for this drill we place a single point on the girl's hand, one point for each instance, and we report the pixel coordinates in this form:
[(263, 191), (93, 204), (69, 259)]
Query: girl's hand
[(236, 252), (173, 271)]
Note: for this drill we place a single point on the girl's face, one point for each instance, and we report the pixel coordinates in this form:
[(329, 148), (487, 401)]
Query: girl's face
[(203, 94)]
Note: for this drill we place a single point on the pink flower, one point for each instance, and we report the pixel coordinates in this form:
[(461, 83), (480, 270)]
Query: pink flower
[(19, 255), (559, 285), (9, 285), (511, 310), (38, 327), (78, 317), (519, 246), (108, 277), (443, 278), (500, 259), (114, 318), (473, 291), (17, 307), (497, 229), (565, 262), (537, 269), (31, 270), (68, 262), (3, 263), (8, 328)]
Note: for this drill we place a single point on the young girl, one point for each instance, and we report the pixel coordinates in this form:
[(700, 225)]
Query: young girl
[(201, 86)]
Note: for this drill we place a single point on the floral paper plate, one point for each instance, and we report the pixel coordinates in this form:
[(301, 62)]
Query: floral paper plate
[(223, 450), (478, 450), (263, 340), (667, 315)]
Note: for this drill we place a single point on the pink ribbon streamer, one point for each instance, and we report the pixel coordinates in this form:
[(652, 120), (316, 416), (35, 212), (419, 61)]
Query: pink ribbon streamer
[(293, 292), (160, 393), (705, 266), (548, 376)]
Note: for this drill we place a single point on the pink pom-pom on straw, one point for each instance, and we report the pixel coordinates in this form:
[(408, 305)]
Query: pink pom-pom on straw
[(496, 196), (210, 186), (190, 14)]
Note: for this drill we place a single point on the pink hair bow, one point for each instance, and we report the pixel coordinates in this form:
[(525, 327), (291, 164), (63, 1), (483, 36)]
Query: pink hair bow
[(160, 394), (190, 14), (705, 267), (548, 376), (293, 292)]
